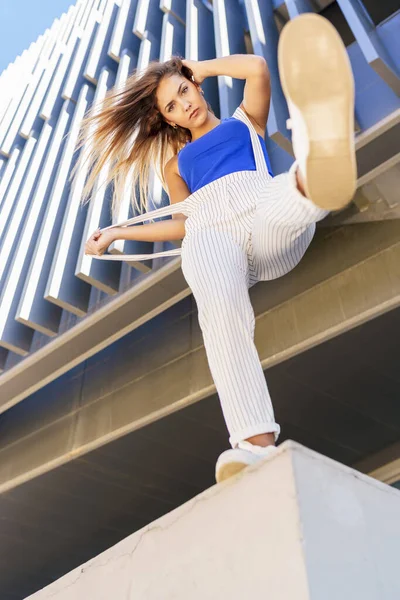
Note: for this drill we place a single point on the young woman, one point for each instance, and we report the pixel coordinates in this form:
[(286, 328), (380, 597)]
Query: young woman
[(239, 224)]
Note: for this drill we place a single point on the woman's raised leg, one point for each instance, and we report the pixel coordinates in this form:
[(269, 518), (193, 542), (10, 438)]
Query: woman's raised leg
[(283, 226), (319, 88)]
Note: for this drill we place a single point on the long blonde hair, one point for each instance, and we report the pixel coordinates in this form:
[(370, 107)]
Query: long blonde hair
[(127, 133)]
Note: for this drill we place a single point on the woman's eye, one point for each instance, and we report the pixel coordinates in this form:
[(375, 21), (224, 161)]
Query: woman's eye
[(170, 107), (184, 89)]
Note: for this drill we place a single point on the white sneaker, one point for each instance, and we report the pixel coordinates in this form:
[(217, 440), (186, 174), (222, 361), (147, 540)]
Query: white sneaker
[(318, 84), (232, 461)]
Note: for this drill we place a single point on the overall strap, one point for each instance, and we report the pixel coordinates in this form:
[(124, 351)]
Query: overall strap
[(259, 157), (138, 257), (177, 207), (164, 211)]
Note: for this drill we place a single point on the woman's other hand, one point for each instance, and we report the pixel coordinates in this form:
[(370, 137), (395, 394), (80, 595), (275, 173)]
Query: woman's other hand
[(99, 241), (198, 69)]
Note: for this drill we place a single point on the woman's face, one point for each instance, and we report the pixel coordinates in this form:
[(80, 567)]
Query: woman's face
[(177, 98)]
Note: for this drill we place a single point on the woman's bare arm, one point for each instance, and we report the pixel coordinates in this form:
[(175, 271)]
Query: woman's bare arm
[(166, 230), (177, 188), (257, 89)]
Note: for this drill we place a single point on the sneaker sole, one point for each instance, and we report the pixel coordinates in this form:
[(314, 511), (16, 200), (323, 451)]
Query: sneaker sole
[(229, 470), (316, 77)]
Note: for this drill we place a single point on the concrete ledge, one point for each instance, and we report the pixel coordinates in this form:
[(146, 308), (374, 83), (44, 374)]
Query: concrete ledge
[(296, 526)]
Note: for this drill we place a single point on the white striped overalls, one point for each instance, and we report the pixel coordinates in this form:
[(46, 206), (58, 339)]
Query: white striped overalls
[(241, 228)]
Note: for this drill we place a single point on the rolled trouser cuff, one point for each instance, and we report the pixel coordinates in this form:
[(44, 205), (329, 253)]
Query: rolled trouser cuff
[(243, 434)]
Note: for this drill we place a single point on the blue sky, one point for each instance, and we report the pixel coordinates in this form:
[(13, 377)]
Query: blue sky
[(22, 21)]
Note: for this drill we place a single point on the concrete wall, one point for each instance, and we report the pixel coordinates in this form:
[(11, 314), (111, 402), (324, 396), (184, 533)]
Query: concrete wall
[(296, 526)]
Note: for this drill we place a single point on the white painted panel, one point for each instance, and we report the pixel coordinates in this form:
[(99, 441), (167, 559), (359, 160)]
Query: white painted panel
[(192, 31), (18, 177), (19, 85), (176, 8), (264, 36), (10, 237), (63, 288), (90, 7), (76, 13), (104, 278), (50, 189), (45, 182), (53, 92), (12, 335), (41, 90), (115, 48), (172, 38), (76, 66), (222, 49), (139, 24), (92, 65), (102, 5), (29, 93), (8, 172)]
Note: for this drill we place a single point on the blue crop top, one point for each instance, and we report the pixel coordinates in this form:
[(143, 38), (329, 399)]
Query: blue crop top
[(223, 150)]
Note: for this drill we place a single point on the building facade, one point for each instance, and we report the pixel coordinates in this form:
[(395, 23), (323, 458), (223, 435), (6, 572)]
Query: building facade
[(109, 415)]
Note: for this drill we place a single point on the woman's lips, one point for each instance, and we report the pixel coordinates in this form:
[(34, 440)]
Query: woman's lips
[(194, 114)]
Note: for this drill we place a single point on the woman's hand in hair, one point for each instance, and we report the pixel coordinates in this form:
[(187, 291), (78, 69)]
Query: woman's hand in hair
[(198, 69), (99, 241)]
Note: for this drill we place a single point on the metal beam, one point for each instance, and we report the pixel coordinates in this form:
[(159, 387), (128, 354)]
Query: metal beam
[(370, 44)]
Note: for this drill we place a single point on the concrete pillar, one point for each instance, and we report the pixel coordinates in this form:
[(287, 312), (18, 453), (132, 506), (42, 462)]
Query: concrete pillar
[(295, 526)]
